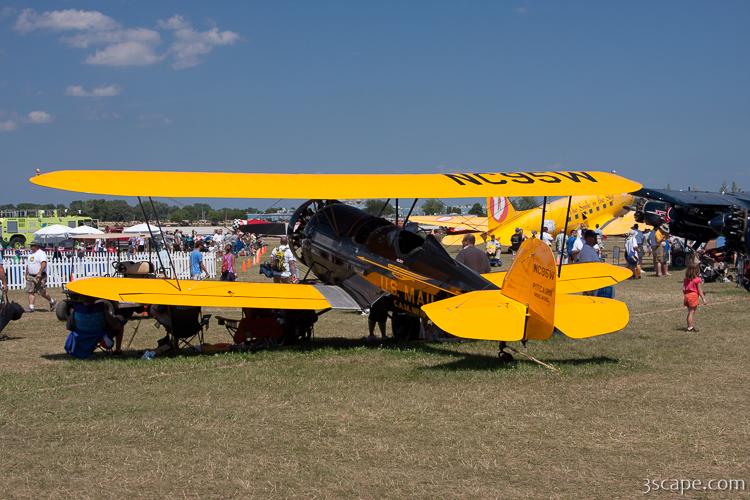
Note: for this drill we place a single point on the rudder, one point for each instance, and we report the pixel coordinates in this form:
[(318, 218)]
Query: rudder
[(531, 281)]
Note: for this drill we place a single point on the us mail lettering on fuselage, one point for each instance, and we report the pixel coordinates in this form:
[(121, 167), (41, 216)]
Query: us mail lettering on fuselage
[(406, 297), (500, 178)]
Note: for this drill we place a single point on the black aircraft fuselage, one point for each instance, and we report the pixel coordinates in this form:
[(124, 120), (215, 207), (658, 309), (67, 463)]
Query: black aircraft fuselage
[(370, 257), (699, 216)]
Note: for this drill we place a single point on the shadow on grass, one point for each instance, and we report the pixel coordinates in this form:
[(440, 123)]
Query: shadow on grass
[(459, 361), (475, 362)]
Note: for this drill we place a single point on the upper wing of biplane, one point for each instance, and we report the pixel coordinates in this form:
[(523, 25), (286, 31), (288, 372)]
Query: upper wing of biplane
[(214, 293), (334, 186)]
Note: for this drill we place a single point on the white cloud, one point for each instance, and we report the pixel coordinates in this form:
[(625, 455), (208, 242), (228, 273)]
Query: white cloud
[(101, 91), (119, 46), (124, 54), (8, 126), (39, 117), (190, 44), (64, 20), (92, 38)]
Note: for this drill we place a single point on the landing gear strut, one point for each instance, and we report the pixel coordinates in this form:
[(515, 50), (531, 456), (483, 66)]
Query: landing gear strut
[(503, 355)]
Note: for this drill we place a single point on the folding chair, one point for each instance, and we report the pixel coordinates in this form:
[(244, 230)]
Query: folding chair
[(186, 326)]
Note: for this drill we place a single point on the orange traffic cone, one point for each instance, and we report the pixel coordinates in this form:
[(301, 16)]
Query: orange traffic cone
[(244, 266)]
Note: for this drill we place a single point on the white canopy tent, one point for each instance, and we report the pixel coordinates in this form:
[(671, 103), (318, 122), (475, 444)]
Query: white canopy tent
[(141, 228), (53, 231), (84, 230)]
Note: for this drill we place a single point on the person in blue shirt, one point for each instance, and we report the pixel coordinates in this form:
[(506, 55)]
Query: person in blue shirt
[(197, 268)]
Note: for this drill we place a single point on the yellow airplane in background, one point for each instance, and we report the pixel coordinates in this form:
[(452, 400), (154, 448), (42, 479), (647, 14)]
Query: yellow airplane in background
[(502, 219)]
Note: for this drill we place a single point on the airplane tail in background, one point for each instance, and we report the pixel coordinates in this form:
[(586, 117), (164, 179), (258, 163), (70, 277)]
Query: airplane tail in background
[(499, 209)]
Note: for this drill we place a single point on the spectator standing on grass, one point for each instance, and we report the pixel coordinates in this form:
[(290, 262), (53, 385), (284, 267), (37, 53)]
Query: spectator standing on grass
[(515, 240), (692, 290), (472, 257), (36, 275), (633, 255), (227, 265), (560, 240), (589, 251), (3, 280), (546, 237), (284, 263), (660, 250), (197, 268)]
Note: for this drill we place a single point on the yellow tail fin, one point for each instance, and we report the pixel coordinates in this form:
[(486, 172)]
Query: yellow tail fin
[(499, 210), (531, 280)]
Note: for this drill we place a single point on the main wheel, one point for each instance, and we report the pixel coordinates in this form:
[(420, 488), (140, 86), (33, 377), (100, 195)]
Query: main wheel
[(505, 357)]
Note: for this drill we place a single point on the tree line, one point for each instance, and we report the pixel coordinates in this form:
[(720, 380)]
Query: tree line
[(122, 211)]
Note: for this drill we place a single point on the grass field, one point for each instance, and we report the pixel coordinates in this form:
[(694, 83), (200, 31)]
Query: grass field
[(346, 420)]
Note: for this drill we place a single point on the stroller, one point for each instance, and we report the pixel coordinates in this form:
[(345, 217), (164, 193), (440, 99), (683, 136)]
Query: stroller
[(714, 265)]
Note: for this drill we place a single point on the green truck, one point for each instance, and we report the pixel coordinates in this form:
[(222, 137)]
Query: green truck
[(17, 227)]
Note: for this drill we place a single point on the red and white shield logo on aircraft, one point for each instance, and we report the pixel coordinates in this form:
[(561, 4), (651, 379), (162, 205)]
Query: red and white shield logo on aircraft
[(499, 208)]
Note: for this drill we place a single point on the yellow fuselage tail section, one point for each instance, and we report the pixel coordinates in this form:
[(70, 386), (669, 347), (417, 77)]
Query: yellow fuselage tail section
[(531, 281)]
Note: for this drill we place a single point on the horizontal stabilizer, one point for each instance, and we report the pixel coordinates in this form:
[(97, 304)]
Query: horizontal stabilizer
[(483, 315), (576, 278), (581, 316), (202, 293)]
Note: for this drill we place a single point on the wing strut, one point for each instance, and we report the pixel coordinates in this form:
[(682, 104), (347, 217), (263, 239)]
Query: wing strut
[(163, 240), (382, 209), (564, 248), (544, 214), (410, 211)]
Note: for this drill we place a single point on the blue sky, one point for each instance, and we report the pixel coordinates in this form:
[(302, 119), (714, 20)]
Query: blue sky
[(655, 90)]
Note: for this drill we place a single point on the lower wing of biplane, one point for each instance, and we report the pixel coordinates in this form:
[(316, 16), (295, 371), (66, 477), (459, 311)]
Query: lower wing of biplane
[(527, 305)]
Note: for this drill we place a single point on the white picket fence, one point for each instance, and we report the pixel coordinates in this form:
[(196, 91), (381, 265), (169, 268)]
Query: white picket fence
[(61, 271)]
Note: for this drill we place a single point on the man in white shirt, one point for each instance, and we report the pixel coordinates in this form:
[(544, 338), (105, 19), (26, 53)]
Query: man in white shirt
[(546, 237), (286, 271), (36, 276)]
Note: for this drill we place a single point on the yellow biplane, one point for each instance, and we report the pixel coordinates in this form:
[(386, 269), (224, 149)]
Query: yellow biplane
[(358, 258)]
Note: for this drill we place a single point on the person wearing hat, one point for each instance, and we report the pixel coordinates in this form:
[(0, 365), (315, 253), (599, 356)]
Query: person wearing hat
[(36, 275), (590, 250), (660, 250)]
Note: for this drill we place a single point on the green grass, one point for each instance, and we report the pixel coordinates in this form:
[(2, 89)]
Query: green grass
[(346, 420)]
